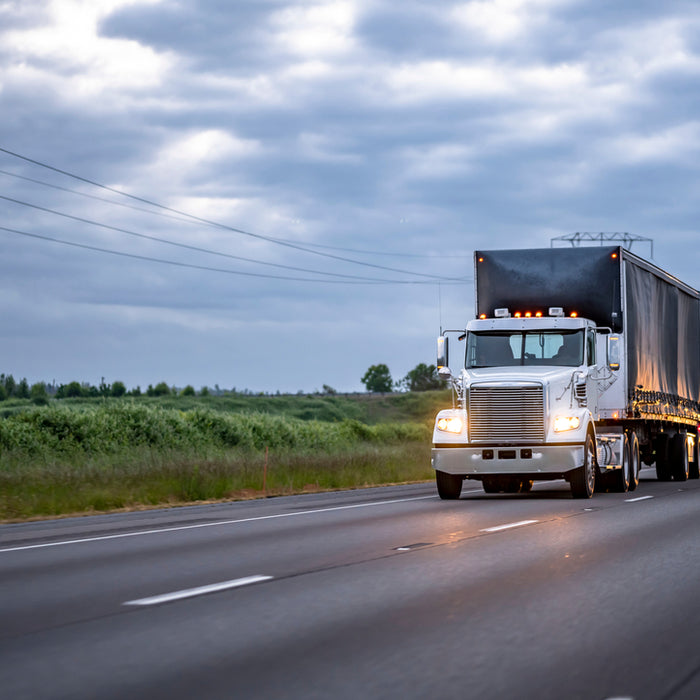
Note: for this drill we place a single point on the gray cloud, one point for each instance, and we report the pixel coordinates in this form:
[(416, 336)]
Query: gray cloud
[(412, 129)]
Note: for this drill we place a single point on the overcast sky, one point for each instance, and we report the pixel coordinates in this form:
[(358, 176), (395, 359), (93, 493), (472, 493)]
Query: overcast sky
[(353, 154)]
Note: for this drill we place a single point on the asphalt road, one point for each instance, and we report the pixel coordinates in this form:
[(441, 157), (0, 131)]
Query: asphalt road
[(379, 593)]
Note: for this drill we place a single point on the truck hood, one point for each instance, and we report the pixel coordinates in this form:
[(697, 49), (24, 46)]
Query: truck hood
[(548, 375)]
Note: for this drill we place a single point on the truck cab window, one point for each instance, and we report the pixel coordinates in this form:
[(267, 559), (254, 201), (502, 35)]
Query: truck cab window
[(535, 347), (590, 340)]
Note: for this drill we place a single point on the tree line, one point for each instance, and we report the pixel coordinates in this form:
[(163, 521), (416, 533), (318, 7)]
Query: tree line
[(377, 379), (40, 392)]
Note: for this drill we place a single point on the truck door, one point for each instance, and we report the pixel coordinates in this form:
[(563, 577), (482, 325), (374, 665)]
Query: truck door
[(592, 372)]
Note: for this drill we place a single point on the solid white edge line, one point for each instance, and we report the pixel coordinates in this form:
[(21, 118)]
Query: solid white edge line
[(498, 528), (200, 590), (213, 524), (639, 498)]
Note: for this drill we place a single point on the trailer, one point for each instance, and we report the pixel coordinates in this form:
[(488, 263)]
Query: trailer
[(581, 364)]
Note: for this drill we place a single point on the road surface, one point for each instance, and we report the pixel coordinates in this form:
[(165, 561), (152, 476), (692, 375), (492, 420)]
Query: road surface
[(377, 593)]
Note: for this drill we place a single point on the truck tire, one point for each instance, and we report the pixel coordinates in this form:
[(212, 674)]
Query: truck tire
[(678, 453), (634, 461), (583, 478), (661, 452), (620, 478), (449, 486)]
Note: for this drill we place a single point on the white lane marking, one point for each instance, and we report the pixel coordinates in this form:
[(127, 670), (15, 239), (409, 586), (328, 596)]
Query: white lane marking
[(200, 590), (497, 528), (214, 524), (639, 498)]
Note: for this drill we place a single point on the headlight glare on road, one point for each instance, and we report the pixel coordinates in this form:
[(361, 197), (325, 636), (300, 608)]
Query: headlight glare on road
[(563, 423), (450, 425)]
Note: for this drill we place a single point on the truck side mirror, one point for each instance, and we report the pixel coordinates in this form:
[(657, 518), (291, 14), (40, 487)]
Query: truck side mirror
[(443, 359), (614, 352)]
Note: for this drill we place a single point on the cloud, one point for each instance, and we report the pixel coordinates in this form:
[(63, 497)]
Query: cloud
[(406, 129), (66, 55), (503, 21)]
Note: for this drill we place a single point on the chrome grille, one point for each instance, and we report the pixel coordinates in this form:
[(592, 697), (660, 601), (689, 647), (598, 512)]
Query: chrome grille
[(506, 414)]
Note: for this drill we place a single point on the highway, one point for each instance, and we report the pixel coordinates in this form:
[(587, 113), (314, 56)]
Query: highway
[(374, 593)]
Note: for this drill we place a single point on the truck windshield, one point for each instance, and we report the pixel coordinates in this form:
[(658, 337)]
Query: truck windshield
[(536, 347)]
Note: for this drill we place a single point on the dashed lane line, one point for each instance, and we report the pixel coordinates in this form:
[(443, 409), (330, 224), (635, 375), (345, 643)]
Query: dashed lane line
[(200, 590), (508, 526)]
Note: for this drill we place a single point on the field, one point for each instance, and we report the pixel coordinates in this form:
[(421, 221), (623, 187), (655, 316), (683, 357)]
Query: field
[(90, 455)]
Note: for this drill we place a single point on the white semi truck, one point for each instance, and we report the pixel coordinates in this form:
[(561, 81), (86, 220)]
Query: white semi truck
[(581, 364)]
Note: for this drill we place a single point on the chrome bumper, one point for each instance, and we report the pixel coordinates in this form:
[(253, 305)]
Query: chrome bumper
[(508, 459)]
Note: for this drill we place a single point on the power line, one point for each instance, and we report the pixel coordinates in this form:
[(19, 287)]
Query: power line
[(209, 222), (207, 268), (184, 220), (183, 245)]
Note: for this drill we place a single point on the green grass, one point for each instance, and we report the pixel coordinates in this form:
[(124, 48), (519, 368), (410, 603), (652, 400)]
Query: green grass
[(367, 408), (104, 455)]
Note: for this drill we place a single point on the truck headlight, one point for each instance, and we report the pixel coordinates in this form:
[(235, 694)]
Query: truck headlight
[(563, 423), (450, 425)]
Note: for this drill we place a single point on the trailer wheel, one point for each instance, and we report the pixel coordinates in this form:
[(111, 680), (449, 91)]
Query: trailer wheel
[(634, 461), (583, 478), (620, 478), (449, 486), (661, 457), (679, 457)]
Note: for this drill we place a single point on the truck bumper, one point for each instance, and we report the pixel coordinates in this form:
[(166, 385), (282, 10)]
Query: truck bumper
[(508, 459)]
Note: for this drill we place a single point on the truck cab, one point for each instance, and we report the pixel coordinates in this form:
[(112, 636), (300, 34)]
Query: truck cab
[(528, 395)]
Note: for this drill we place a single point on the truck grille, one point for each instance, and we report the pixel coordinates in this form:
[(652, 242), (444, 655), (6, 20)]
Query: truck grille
[(506, 414)]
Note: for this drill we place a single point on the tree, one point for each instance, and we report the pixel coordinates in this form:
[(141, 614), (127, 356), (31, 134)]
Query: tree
[(74, 389), (188, 391), (377, 379), (10, 385), (118, 389), (22, 391), (422, 378), (38, 394), (160, 389)]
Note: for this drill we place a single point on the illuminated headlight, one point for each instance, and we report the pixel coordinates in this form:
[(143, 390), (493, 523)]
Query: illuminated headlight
[(450, 425), (562, 423)]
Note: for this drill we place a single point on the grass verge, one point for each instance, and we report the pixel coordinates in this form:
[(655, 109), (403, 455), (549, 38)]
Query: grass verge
[(59, 460)]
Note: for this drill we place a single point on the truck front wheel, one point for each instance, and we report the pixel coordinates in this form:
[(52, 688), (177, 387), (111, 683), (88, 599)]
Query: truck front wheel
[(583, 478), (449, 486)]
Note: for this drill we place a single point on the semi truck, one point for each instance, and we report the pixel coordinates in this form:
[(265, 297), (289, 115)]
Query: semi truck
[(581, 364)]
